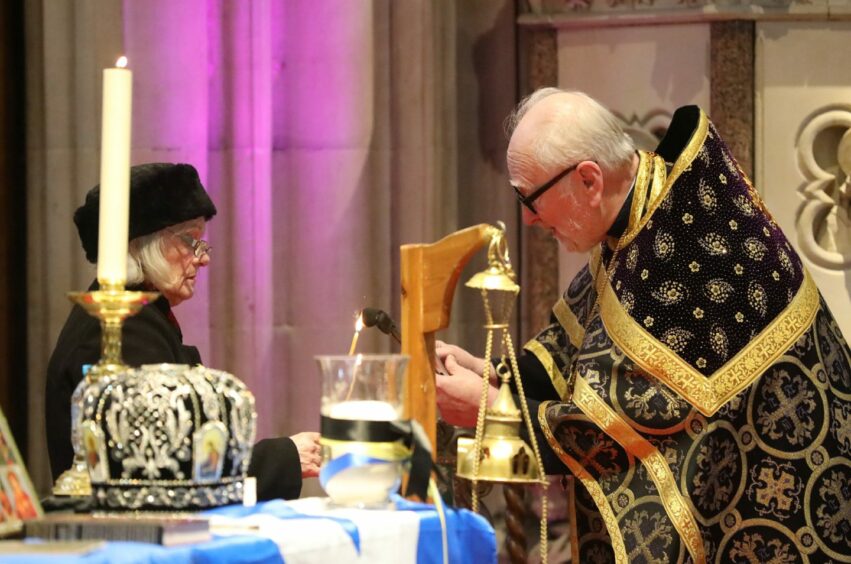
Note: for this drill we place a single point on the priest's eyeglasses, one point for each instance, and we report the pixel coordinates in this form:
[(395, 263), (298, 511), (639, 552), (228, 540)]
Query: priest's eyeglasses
[(538, 192), (199, 247)]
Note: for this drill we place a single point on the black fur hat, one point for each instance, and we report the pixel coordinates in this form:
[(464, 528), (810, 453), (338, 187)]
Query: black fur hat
[(161, 195)]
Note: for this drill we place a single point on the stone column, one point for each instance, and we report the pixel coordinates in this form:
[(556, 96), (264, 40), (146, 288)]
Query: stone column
[(240, 145), (731, 84), (539, 270), (167, 49)]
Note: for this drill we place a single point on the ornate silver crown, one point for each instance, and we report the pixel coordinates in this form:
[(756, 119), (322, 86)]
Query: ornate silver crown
[(167, 436)]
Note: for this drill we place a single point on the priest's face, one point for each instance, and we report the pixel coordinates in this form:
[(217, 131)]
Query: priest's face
[(565, 212), (186, 253), (569, 208)]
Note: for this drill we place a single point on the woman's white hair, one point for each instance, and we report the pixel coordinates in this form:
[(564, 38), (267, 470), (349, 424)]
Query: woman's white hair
[(146, 262), (577, 131)]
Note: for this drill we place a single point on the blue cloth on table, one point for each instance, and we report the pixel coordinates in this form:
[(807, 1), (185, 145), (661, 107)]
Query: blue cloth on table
[(470, 537)]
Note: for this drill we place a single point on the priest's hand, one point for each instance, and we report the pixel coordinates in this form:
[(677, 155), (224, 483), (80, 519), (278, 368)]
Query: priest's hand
[(459, 393), (462, 357), (307, 444)]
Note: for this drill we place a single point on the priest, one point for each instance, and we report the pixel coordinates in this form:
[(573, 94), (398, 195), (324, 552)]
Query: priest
[(693, 382)]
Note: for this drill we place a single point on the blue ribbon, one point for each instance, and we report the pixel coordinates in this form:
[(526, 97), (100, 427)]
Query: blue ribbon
[(278, 508), (344, 462)]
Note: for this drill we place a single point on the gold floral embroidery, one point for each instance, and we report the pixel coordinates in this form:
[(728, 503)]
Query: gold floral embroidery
[(677, 339), (698, 313), (766, 232), (785, 261), (734, 225), (718, 341), (694, 266), (670, 292), (745, 205), (628, 301), (738, 269), (687, 218), (703, 155), (755, 248), (723, 179), (706, 197), (740, 316), (648, 321), (663, 245), (644, 274), (718, 290), (775, 275), (731, 166), (632, 258), (757, 298), (714, 244), (701, 362)]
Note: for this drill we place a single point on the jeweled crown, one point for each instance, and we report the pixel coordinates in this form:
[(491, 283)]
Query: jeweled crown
[(167, 436)]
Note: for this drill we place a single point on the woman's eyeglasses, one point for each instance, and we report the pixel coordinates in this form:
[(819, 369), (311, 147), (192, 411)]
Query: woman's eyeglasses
[(199, 247)]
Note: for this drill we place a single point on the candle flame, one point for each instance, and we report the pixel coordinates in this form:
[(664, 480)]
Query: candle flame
[(358, 327), (121, 62)]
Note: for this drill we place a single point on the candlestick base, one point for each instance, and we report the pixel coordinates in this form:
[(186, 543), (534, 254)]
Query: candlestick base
[(112, 306)]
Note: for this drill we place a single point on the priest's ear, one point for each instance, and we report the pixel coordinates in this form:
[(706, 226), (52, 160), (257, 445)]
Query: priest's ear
[(591, 176)]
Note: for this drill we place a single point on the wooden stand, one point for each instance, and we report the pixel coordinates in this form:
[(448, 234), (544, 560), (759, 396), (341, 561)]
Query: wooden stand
[(429, 276)]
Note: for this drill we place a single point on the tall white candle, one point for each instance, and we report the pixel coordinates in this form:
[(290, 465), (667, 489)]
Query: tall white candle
[(114, 175)]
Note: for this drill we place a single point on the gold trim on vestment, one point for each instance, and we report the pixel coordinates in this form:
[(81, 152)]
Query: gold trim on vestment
[(549, 364), (660, 181), (661, 184), (567, 320), (708, 394), (639, 190), (594, 489), (586, 399)]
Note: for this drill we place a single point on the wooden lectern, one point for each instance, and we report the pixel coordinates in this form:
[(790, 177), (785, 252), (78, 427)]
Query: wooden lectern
[(430, 274)]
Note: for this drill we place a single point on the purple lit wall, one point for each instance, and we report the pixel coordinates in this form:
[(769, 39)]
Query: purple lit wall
[(273, 102)]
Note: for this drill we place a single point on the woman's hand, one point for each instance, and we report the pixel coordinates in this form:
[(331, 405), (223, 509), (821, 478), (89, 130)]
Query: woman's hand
[(307, 444), (462, 357)]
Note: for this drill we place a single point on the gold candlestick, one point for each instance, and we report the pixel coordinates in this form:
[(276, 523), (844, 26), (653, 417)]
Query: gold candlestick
[(111, 305)]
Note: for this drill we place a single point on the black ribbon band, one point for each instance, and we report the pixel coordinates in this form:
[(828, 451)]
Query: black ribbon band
[(365, 431), (409, 432)]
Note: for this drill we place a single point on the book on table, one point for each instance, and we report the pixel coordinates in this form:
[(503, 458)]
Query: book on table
[(167, 530)]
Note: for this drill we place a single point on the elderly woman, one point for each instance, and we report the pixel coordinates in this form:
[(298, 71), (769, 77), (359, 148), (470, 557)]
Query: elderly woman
[(169, 209)]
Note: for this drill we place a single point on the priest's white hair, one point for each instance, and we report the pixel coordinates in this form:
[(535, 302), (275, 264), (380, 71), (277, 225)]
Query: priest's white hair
[(581, 129)]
